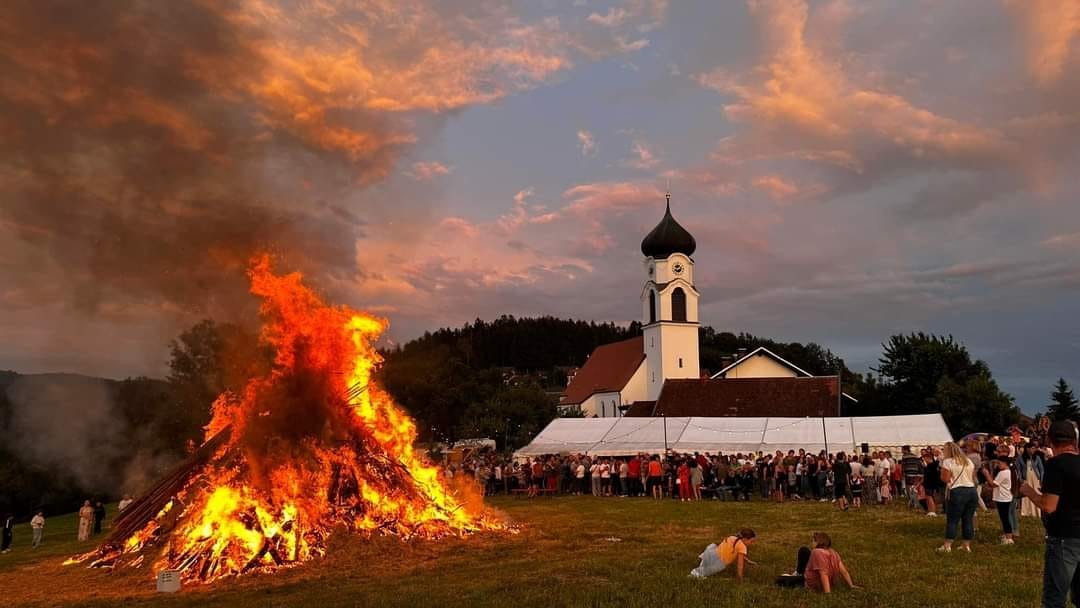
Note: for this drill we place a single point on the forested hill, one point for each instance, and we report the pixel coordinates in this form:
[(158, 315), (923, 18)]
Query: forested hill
[(543, 343)]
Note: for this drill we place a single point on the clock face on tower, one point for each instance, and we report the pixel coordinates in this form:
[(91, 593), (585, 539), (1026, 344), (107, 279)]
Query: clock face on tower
[(677, 268)]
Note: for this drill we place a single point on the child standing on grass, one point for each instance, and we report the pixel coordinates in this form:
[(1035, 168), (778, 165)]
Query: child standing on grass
[(856, 491), (684, 481), (886, 489), (1003, 498), (732, 550)]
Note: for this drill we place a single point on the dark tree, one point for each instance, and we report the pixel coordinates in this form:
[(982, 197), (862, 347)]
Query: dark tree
[(1064, 405), (924, 373)]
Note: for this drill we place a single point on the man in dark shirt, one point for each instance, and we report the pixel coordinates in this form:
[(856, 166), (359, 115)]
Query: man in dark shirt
[(1060, 503)]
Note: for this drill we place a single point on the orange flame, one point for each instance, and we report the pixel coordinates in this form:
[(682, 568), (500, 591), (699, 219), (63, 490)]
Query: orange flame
[(313, 445)]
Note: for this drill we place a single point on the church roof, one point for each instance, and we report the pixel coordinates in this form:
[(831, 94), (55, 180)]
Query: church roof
[(667, 238), (608, 369), (753, 397)]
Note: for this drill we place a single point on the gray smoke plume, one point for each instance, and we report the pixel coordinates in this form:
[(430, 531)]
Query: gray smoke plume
[(68, 424)]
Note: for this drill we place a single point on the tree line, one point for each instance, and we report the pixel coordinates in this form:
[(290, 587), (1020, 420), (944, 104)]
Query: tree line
[(497, 379)]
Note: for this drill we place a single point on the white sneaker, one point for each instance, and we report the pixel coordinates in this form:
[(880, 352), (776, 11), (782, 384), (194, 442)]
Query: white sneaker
[(931, 514), (944, 549), (1008, 541)]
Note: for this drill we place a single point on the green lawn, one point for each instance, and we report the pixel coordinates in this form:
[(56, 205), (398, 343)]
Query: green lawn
[(563, 557)]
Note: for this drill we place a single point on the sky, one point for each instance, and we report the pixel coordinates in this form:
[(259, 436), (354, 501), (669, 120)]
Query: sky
[(850, 169)]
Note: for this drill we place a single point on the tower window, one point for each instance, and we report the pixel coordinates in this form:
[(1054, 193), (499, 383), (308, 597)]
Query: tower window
[(678, 305), (654, 377), (652, 306), (680, 362)]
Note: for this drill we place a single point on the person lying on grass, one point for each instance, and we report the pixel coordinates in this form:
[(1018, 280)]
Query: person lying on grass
[(825, 567), (732, 550)]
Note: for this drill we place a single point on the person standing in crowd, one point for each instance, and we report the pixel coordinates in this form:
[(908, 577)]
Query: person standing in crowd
[(958, 475), (8, 533), (86, 520), (932, 484), (99, 517), (911, 467), (594, 478), (633, 476), (655, 486), (1060, 503), (697, 477), (624, 478), (37, 528), (841, 480), (825, 568), (1029, 466), (821, 478), (1001, 482), (684, 481), (579, 478)]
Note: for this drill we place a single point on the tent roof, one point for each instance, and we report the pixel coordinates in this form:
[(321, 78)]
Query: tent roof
[(624, 436)]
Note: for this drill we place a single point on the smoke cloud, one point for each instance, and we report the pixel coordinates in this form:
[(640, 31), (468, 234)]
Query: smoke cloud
[(67, 424)]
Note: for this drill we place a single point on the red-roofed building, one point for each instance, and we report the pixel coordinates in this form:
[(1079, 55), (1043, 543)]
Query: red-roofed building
[(611, 377)]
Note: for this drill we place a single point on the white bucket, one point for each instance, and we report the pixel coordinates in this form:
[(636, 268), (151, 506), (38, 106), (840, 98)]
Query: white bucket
[(168, 581)]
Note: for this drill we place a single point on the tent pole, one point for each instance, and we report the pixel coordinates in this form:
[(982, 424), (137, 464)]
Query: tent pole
[(665, 434), (825, 434)]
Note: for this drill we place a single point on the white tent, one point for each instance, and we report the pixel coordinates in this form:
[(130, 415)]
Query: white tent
[(624, 436), (721, 434), (568, 435), (634, 435)]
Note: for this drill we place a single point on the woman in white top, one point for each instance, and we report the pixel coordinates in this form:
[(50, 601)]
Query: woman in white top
[(958, 476), (1003, 498)]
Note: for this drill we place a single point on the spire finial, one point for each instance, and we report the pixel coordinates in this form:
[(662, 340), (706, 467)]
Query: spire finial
[(668, 195)]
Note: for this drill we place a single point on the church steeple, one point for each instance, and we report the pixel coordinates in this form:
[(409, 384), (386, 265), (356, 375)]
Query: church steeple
[(668, 237), (669, 303)]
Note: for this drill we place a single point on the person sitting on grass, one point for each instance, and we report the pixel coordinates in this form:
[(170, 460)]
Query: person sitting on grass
[(732, 550), (824, 567)]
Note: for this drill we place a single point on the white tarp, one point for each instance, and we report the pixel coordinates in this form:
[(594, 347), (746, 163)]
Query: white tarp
[(730, 434), (635, 435), (573, 435), (896, 431), (624, 436)]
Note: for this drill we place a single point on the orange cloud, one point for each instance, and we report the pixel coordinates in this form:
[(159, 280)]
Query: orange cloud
[(775, 186), (1051, 28)]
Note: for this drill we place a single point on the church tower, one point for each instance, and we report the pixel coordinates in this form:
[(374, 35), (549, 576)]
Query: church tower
[(669, 305)]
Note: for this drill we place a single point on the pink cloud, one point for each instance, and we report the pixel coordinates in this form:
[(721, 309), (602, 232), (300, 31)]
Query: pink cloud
[(425, 171)]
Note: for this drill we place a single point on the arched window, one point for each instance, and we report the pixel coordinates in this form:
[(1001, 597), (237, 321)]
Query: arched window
[(652, 306), (678, 305)]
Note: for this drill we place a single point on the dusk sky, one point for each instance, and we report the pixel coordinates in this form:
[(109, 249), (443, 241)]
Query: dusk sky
[(850, 169)]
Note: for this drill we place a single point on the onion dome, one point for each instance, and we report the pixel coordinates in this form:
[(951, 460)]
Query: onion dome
[(667, 238)]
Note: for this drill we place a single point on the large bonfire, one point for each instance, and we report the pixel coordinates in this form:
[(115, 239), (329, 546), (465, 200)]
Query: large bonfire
[(310, 447)]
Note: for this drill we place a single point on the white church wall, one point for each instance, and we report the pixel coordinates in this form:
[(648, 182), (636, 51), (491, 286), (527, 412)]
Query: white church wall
[(637, 388), (602, 405)]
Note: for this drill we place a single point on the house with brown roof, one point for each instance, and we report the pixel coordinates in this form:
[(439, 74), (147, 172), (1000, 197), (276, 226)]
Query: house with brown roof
[(658, 373)]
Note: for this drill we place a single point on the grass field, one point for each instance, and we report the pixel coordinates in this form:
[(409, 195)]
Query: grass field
[(566, 555)]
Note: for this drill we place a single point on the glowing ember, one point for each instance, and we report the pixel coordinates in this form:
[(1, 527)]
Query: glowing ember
[(313, 445)]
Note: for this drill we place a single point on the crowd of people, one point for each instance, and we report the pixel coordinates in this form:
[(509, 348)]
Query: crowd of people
[(1036, 474), (848, 480)]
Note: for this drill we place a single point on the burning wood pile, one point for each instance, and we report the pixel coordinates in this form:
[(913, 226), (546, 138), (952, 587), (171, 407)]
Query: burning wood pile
[(312, 447)]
